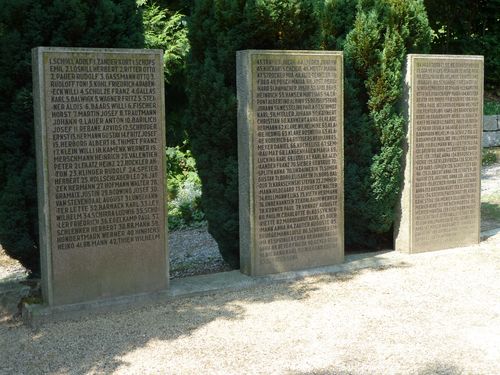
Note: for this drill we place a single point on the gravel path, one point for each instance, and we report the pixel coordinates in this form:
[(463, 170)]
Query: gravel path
[(194, 252), (490, 179), (432, 313)]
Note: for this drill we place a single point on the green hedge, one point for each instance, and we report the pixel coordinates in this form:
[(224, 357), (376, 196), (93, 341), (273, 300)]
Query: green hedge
[(375, 51), (25, 24), (470, 27)]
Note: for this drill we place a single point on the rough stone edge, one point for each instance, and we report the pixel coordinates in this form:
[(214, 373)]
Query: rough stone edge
[(42, 174), (245, 161), (164, 191), (99, 50), (402, 220)]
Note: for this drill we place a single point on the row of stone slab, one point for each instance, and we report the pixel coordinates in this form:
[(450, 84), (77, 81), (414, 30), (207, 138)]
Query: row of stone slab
[(99, 116)]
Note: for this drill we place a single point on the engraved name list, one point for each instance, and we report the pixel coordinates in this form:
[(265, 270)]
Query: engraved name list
[(297, 160), (447, 112), (104, 145), (296, 149)]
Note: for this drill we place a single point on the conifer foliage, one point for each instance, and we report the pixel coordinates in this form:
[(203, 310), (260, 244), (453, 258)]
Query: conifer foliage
[(25, 24), (384, 31)]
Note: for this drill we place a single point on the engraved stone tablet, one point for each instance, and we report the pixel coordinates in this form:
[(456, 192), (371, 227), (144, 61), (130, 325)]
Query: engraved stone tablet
[(440, 205), (99, 116), (290, 152)]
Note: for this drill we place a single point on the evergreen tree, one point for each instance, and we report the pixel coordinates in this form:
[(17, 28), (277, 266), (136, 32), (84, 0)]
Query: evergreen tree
[(25, 24), (218, 29), (167, 29), (384, 32), (475, 31)]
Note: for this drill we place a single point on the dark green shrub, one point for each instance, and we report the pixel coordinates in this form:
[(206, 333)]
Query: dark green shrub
[(166, 29), (337, 20), (491, 107), (218, 29), (25, 24), (375, 49), (468, 27)]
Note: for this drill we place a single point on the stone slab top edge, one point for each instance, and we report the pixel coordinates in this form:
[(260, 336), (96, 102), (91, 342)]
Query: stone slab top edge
[(431, 56), (290, 52), (98, 50)]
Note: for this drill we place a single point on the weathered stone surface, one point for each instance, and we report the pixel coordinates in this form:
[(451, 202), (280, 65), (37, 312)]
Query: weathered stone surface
[(290, 134), (99, 116), (491, 123), (491, 131), (491, 138), (440, 205)]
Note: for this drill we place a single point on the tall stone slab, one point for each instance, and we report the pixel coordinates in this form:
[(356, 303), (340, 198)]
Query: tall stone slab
[(440, 200), (99, 117), (290, 151)]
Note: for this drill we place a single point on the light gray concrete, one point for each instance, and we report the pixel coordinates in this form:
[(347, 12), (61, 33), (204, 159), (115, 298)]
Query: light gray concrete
[(491, 138), (491, 123)]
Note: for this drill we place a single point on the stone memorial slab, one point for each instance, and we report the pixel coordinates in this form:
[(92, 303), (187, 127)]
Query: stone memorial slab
[(99, 117), (440, 205), (290, 151)]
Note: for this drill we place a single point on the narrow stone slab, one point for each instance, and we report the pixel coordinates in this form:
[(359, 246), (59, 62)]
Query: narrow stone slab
[(99, 116), (440, 204), (290, 151)]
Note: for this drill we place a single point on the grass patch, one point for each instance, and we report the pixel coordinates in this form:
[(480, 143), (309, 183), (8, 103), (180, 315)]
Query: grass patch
[(489, 157), (491, 104), (490, 207), (494, 150)]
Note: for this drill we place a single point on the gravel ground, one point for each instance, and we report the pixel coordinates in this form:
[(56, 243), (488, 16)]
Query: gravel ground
[(10, 269), (194, 252), (490, 179), (432, 313), (490, 188)]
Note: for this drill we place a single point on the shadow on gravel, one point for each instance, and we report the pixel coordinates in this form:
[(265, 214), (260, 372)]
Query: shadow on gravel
[(440, 368), (8, 305), (432, 368), (490, 215), (97, 344)]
